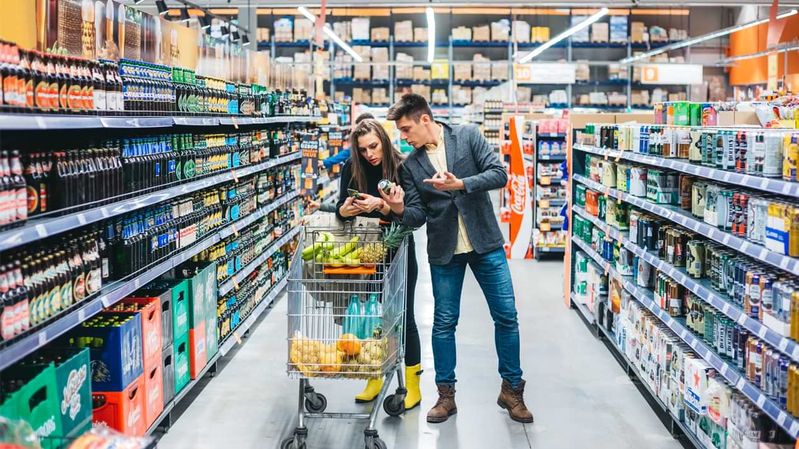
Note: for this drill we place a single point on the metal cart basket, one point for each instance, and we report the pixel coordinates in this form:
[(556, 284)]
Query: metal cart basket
[(345, 321)]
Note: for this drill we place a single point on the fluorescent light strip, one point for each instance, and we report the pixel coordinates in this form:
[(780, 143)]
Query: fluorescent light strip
[(332, 35), (580, 26), (705, 37), (431, 34), (759, 54)]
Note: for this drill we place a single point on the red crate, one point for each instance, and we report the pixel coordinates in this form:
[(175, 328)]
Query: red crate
[(151, 330), (153, 392), (198, 350), (122, 410)]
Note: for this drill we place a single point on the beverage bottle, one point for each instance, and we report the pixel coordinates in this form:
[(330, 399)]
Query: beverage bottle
[(62, 178), (94, 276), (64, 280), (77, 271), (8, 306), (20, 188), (7, 193), (20, 295)]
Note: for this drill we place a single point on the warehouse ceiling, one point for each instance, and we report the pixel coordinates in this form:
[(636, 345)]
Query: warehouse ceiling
[(466, 3)]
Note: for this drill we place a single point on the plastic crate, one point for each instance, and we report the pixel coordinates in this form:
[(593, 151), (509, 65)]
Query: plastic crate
[(122, 410)]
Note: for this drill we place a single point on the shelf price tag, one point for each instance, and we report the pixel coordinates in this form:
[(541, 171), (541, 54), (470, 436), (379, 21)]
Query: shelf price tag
[(545, 180), (544, 204), (235, 123), (235, 176), (235, 229), (545, 226), (237, 337), (235, 283)]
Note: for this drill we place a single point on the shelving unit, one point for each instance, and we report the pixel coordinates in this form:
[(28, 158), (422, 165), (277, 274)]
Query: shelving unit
[(548, 153), (771, 338)]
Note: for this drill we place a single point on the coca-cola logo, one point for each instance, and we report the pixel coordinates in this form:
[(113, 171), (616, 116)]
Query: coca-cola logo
[(518, 193)]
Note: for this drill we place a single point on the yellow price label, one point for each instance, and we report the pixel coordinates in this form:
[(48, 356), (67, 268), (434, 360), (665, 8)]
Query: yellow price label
[(237, 337), (545, 226), (543, 204), (545, 180)]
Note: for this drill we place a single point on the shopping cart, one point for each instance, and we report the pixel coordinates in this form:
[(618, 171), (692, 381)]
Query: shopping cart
[(345, 321)]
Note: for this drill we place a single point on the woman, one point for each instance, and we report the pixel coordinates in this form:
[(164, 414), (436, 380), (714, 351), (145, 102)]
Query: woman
[(373, 158)]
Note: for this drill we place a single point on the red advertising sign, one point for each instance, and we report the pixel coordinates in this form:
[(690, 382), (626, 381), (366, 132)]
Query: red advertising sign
[(521, 226)]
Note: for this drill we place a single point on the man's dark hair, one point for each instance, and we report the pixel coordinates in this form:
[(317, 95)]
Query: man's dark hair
[(410, 105), (364, 116)]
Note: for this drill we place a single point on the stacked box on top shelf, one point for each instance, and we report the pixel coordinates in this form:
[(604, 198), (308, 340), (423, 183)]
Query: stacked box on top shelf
[(403, 31)]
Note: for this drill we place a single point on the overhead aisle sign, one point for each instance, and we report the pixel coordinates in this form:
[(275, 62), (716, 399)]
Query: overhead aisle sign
[(545, 73), (671, 73)]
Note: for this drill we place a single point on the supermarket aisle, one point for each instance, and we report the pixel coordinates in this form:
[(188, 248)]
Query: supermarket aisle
[(580, 395)]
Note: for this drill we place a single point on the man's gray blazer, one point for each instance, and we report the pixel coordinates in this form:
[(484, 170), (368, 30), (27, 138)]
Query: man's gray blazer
[(471, 159)]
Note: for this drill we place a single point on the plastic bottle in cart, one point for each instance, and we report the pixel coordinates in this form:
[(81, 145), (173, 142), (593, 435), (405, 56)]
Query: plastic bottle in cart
[(372, 320), (353, 317)]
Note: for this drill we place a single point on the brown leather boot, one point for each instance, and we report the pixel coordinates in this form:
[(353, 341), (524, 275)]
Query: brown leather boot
[(445, 406), (513, 401)]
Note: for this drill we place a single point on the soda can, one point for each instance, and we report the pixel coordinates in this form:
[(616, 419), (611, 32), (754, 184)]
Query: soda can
[(633, 231), (695, 258), (782, 394), (724, 209), (686, 191), (671, 195), (709, 115), (695, 151), (682, 139), (695, 114), (680, 248), (698, 192), (643, 140), (741, 151), (638, 181), (772, 155), (623, 177), (790, 159), (757, 218), (725, 150), (792, 219), (662, 233), (708, 147), (624, 263)]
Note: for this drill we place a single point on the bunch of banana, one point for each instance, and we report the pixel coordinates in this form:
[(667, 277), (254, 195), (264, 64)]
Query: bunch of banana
[(321, 247), (347, 254)]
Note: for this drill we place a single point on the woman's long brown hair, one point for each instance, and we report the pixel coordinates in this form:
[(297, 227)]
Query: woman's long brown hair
[(391, 157)]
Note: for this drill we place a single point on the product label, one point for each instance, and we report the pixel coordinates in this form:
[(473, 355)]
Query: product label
[(79, 290), (71, 404), (93, 281), (66, 294)]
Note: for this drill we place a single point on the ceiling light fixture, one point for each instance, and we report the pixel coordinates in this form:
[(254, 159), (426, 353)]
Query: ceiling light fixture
[(331, 34), (236, 35), (184, 15), (705, 37), (431, 34), (162, 9), (580, 26), (245, 41), (225, 31), (777, 50), (205, 21)]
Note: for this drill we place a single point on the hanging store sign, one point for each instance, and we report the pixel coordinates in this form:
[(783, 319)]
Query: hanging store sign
[(671, 74), (544, 73)]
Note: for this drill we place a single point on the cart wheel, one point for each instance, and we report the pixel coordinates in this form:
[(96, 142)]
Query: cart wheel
[(394, 405), (375, 443), (315, 403), (292, 443)]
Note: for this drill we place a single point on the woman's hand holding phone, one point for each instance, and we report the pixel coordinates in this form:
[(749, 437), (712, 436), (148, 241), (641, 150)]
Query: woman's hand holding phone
[(348, 209), (368, 203)]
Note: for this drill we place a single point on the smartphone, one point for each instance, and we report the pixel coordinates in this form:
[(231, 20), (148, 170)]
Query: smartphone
[(354, 193)]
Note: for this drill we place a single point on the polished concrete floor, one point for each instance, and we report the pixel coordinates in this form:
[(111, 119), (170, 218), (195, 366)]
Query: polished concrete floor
[(580, 395)]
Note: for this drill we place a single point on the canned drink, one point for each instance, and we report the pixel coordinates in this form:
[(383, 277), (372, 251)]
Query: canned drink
[(695, 114), (757, 218), (772, 155), (741, 151), (624, 263), (644, 277), (662, 233), (698, 192), (633, 232), (669, 142), (695, 150), (782, 395), (686, 191), (741, 215), (793, 230), (623, 177), (712, 192), (635, 138), (709, 143), (790, 159), (651, 234), (680, 248), (682, 138), (623, 139), (672, 192), (743, 337), (725, 150), (643, 140), (638, 181), (709, 115), (695, 259), (766, 295), (602, 207), (671, 236), (608, 174)]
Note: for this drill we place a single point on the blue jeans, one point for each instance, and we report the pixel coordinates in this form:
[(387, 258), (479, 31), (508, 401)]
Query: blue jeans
[(492, 273)]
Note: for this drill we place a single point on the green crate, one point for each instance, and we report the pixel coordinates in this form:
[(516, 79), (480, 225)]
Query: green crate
[(9, 408), (73, 383), (181, 361), (39, 407), (180, 310)]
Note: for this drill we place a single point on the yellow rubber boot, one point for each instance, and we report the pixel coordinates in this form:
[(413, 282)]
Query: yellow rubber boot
[(412, 376), (373, 387)]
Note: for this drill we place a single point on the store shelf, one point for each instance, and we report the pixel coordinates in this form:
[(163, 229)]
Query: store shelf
[(685, 219), (552, 158), (370, 43), (25, 122), (631, 367), (552, 202), (37, 229), (598, 83), (599, 44), (701, 289), (770, 185), (729, 372), (551, 135), (238, 278), (478, 83), (116, 291), (294, 44), (360, 83), (530, 45), (474, 44), (409, 44), (584, 311), (227, 345)]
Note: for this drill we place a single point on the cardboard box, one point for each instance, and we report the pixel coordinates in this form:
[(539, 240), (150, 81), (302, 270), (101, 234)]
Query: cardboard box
[(521, 31), (420, 34), (635, 117), (461, 71), (362, 71), (343, 30), (124, 410), (421, 73), (440, 97), (638, 32), (284, 30), (404, 71), (380, 95), (500, 31), (677, 34), (481, 33), (582, 35), (599, 32), (380, 71), (360, 29), (462, 33), (153, 393), (580, 120), (461, 95), (380, 34), (618, 28), (303, 29), (539, 34), (523, 94), (263, 34), (499, 71), (403, 31), (115, 342), (582, 71), (658, 34), (421, 90)]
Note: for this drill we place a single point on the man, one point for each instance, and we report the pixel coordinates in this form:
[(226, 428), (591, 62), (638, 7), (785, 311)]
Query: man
[(445, 183)]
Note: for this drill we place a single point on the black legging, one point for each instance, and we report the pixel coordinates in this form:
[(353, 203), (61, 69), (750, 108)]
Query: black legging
[(413, 349)]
